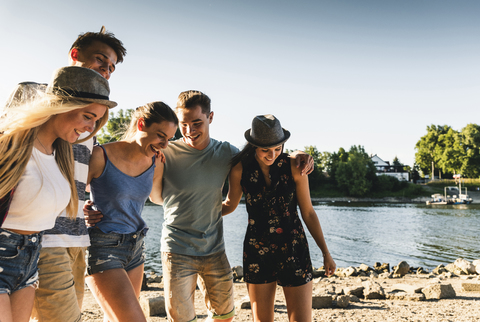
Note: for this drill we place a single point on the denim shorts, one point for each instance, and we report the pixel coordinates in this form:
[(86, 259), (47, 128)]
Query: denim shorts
[(18, 260), (112, 250)]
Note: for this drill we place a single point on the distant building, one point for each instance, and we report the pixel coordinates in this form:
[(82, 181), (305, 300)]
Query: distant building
[(384, 168)]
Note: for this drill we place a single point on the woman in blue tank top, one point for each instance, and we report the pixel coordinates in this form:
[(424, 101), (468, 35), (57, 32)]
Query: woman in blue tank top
[(275, 249), (120, 176)]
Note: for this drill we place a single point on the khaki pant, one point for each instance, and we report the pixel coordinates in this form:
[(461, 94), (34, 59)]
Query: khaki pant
[(61, 287)]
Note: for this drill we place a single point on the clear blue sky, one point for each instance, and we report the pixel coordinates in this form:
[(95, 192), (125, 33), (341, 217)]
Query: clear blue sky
[(336, 73)]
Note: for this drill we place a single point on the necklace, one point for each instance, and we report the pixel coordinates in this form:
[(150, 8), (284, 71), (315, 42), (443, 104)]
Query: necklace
[(43, 146)]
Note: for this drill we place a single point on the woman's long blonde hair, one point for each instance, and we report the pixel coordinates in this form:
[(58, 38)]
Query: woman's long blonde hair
[(19, 127)]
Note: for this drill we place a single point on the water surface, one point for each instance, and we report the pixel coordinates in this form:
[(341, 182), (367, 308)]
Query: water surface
[(362, 233)]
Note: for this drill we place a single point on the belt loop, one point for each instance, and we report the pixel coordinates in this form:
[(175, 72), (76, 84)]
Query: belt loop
[(25, 241)]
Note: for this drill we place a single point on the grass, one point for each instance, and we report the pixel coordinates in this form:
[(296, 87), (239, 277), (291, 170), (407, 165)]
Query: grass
[(410, 191)]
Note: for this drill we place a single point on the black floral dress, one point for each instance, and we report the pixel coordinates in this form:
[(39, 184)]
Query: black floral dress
[(275, 246)]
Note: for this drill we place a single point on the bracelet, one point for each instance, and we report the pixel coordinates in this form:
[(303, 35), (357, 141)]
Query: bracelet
[(325, 254)]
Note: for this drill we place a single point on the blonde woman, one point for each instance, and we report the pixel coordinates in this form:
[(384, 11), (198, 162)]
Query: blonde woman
[(121, 176), (36, 175)]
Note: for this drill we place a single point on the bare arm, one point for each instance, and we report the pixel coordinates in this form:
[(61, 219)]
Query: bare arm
[(303, 161), (311, 219), (234, 190), (157, 188), (95, 169)]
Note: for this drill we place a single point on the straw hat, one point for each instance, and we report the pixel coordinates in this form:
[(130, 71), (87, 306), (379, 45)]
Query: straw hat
[(80, 83), (266, 132)]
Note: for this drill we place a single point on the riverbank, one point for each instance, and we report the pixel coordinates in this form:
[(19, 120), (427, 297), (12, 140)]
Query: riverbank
[(475, 195), (457, 298)]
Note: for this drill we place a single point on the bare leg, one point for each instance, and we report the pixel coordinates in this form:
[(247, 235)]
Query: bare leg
[(262, 299), (17, 307), (116, 294), (299, 302), (5, 308)]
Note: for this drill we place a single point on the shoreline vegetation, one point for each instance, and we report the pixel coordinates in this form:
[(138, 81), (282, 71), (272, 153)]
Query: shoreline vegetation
[(364, 293)]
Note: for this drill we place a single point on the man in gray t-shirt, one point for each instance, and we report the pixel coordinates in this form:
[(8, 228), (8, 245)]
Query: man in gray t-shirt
[(190, 188)]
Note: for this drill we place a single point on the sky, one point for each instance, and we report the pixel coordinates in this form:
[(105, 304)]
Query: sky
[(373, 73)]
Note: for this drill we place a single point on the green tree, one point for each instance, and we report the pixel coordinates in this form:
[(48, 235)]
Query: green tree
[(356, 176), (428, 148), (316, 177), (470, 147), (334, 161), (115, 127), (450, 155)]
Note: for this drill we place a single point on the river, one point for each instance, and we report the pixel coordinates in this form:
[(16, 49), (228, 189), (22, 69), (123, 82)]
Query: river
[(359, 233)]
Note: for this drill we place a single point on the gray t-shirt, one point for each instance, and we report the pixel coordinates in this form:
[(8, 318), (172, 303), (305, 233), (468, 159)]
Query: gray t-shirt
[(192, 194)]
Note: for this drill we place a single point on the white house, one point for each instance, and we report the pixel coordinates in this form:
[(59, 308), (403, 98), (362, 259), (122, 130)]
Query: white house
[(384, 168)]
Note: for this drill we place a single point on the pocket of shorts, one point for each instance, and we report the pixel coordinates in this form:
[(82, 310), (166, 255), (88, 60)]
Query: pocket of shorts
[(9, 252), (105, 243)]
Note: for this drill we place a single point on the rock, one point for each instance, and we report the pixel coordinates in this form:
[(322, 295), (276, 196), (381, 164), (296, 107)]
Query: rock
[(318, 273), (353, 298), (364, 268), (471, 287), (439, 269), (477, 269), (385, 275), (452, 268), (401, 269), (465, 266), (237, 272), (322, 301), (144, 283), (153, 304), (245, 303), (439, 291), (382, 268), (373, 291), (343, 301), (404, 296), (349, 271), (407, 288), (476, 262), (354, 290)]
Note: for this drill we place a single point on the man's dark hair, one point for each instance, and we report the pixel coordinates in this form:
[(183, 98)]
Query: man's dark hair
[(86, 39)]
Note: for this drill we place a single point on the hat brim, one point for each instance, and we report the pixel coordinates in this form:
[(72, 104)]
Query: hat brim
[(286, 136), (108, 103)]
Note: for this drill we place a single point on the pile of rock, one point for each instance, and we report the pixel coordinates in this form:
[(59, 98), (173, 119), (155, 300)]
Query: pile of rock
[(328, 292), (354, 284)]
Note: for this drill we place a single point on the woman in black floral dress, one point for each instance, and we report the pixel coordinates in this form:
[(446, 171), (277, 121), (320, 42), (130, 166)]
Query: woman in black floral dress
[(275, 245)]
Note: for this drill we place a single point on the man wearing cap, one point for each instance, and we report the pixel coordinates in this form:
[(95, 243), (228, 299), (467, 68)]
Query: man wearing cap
[(62, 264), (190, 188)]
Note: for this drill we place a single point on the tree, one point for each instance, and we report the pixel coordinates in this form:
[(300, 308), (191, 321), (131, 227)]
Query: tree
[(316, 177), (450, 154), (116, 127), (429, 149), (356, 175), (470, 147)]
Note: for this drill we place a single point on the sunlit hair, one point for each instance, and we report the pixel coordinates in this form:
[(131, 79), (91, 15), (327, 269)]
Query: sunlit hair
[(191, 99), (246, 155), (154, 112), (86, 39), (19, 127)]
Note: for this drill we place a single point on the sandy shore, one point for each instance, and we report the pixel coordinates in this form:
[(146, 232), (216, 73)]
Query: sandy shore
[(464, 307)]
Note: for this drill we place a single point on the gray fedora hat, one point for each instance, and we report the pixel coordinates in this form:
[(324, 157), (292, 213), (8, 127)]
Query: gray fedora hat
[(266, 132), (80, 83)]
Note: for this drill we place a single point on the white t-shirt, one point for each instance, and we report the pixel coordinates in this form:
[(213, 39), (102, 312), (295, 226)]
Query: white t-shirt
[(41, 195)]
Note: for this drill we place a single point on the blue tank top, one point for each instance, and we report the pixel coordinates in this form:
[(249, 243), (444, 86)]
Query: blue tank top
[(121, 198)]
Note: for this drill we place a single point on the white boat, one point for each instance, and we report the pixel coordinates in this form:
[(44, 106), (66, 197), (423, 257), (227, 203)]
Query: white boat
[(462, 198)]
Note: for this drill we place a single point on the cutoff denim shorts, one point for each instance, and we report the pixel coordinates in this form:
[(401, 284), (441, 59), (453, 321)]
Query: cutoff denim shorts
[(18, 260), (113, 250)]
